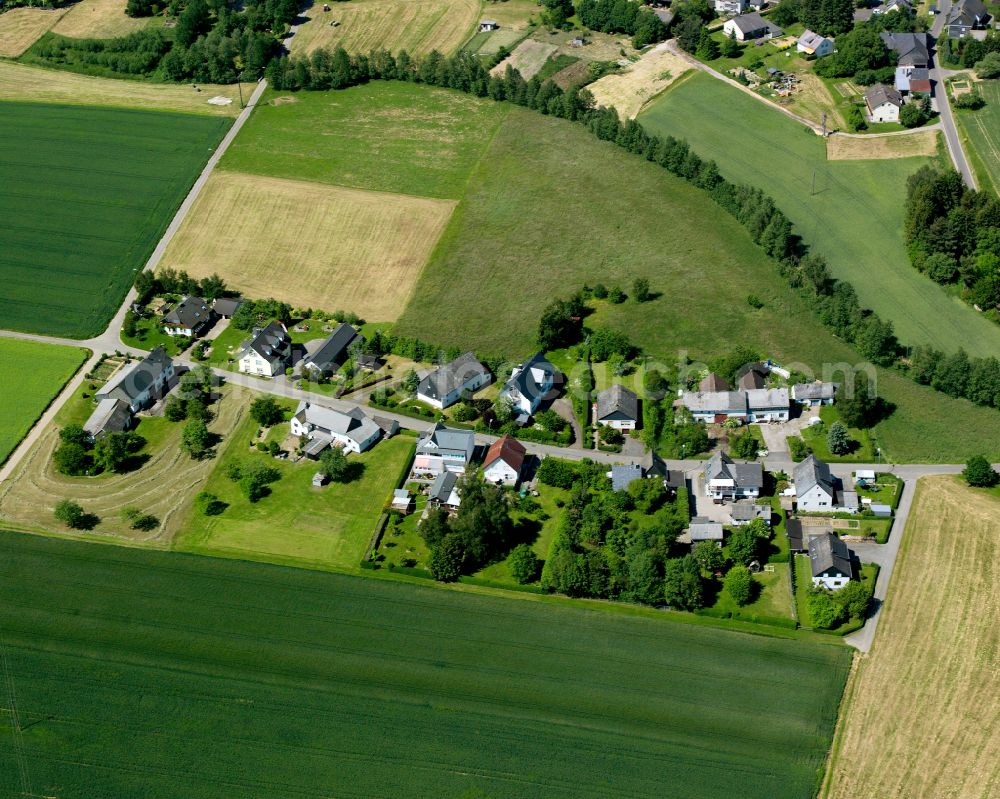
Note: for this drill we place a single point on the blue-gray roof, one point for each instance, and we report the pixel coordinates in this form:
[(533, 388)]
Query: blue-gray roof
[(623, 475)]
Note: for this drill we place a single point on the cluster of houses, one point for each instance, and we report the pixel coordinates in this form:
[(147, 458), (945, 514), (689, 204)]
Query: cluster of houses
[(269, 351), (133, 388)]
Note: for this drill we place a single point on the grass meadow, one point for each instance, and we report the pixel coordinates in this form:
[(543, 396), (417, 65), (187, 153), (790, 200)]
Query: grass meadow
[(851, 212), (101, 19), (982, 133), (200, 677), (927, 691), (34, 374), (86, 193), (21, 27)]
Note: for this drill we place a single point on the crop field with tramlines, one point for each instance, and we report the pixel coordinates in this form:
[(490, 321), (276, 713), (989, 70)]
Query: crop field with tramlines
[(85, 193), (140, 673)]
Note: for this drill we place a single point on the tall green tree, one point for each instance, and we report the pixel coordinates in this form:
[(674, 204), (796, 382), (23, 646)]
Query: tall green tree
[(979, 473)]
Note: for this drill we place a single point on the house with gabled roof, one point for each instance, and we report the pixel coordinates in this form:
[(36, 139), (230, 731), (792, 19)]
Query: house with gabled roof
[(713, 382), (448, 383), (701, 529), (966, 16), (332, 352), (714, 406), (751, 26), (188, 318), (810, 43), (112, 415), (268, 352), (141, 383), (504, 461), (768, 405), (830, 562), (912, 49), (751, 377), (618, 407), (725, 478), (815, 486), (883, 103), (530, 382), (443, 492), (443, 449), (814, 394), (326, 427), (623, 475)]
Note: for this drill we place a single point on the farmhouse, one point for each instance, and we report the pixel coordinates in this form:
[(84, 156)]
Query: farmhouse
[(912, 49), (727, 479), (188, 318), (112, 415), (745, 511), (830, 560), (814, 394), (443, 492), (623, 475), (140, 383), (529, 383), (813, 44), (268, 352), (448, 383), (504, 460), (754, 405), (751, 26), (330, 355), (618, 407), (225, 307), (966, 16), (883, 103), (730, 6), (325, 427), (443, 449)]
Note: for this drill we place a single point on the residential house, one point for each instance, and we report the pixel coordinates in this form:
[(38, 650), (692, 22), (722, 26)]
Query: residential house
[(704, 529), (267, 353), (443, 449), (747, 27), (528, 385), (745, 511), (714, 406), (623, 475), (618, 407), (723, 7), (112, 415), (966, 16), (188, 318), (883, 103), (814, 394), (325, 427), (815, 486), (830, 560), (225, 307), (141, 383), (813, 44), (673, 479), (713, 382), (332, 352), (402, 501), (504, 461), (893, 5), (759, 5), (389, 427), (446, 384), (488, 25), (752, 376), (727, 479), (768, 405), (913, 80), (912, 49), (443, 492)]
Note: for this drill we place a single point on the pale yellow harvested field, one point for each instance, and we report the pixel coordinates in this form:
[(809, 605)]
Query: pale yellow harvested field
[(164, 486), (21, 82), (630, 90), (100, 19), (417, 26), (511, 13), (528, 57), (921, 716), (21, 27), (848, 148), (310, 244)]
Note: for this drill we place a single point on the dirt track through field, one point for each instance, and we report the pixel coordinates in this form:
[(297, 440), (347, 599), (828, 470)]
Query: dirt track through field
[(921, 716)]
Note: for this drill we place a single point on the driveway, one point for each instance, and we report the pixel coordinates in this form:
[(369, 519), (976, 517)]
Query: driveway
[(564, 407)]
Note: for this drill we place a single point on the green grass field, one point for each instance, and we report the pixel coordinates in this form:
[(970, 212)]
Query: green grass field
[(853, 215), (86, 193), (34, 374), (139, 673), (982, 133)]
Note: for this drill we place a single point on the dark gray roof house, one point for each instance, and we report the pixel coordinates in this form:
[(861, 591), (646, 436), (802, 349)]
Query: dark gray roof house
[(188, 317), (623, 475), (444, 386), (332, 352), (141, 382), (965, 16), (112, 415), (911, 48), (746, 477), (443, 490), (753, 26), (226, 306), (830, 557), (617, 404), (270, 344)]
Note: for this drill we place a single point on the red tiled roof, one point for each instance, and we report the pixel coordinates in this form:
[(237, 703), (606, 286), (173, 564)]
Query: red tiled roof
[(509, 449)]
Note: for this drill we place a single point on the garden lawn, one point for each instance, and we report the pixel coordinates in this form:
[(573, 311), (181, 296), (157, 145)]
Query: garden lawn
[(982, 132), (851, 212), (85, 194), (862, 449), (773, 601), (33, 375), (199, 678), (296, 524)]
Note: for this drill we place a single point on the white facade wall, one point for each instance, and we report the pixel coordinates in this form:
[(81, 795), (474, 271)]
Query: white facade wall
[(830, 582), (500, 472), (815, 499), (887, 112)]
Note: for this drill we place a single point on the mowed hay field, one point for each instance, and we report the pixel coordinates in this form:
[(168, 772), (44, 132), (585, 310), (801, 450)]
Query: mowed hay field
[(100, 19), (982, 133), (144, 673), (39, 85), (34, 374), (309, 244), (855, 148), (630, 90), (854, 217), (85, 193), (163, 486), (417, 26), (921, 717), (528, 58), (22, 27)]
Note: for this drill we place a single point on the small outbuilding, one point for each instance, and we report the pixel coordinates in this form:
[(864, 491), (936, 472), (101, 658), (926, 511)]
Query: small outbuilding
[(488, 25)]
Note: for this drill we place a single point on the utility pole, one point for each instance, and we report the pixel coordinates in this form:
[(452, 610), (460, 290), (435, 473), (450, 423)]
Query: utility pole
[(239, 85), (824, 124), (812, 191)]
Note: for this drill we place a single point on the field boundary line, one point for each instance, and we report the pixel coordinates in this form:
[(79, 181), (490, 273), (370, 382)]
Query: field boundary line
[(15, 721)]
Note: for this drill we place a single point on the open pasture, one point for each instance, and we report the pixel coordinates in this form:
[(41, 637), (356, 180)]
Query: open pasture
[(863, 148), (33, 374), (40, 85), (628, 91), (851, 212), (85, 193), (310, 244), (528, 58), (927, 692), (101, 19), (417, 26), (199, 678), (982, 133), (22, 27)]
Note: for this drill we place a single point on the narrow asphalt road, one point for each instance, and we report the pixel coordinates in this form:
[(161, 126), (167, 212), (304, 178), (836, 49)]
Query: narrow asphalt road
[(937, 75)]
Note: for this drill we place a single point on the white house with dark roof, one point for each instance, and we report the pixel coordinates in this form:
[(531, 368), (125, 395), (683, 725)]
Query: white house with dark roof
[(443, 492), (813, 44), (112, 415), (267, 353), (883, 103), (830, 562), (814, 394), (332, 352), (728, 479), (326, 427), (815, 487), (723, 7), (966, 16), (141, 383), (745, 511), (443, 449), (188, 318), (751, 26), (768, 405), (618, 407), (448, 383), (754, 405), (529, 383)]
